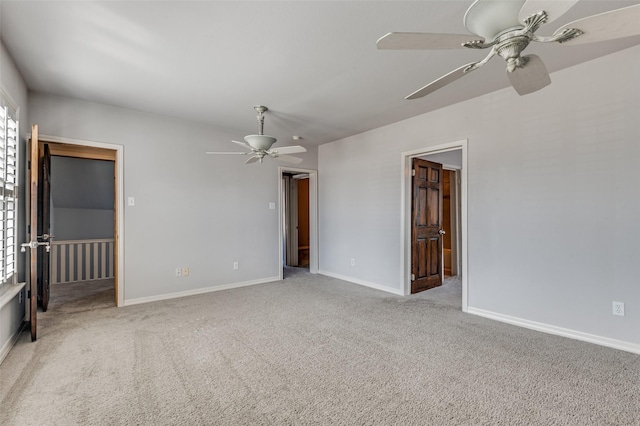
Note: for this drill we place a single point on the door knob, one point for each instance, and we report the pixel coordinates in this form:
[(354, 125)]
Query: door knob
[(441, 232), (33, 245)]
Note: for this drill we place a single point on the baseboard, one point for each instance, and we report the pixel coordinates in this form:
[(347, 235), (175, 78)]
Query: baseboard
[(10, 343), (559, 331), (362, 283), (197, 291)]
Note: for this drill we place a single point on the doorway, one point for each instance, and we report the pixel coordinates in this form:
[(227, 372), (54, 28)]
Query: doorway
[(82, 221), (107, 256), (298, 219), (453, 157)]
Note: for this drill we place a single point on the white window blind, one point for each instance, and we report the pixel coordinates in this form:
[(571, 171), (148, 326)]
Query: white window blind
[(8, 191)]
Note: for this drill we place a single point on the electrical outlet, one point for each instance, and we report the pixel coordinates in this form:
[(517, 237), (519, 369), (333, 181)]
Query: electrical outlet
[(618, 308), (178, 272), (235, 265), (185, 271), (353, 262)]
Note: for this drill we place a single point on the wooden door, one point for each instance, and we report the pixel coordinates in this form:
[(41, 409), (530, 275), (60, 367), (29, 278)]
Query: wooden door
[(44, 226), (426, 228), (32, 231)]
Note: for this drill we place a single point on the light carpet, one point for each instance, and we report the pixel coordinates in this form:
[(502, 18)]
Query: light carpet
[(308, 350)]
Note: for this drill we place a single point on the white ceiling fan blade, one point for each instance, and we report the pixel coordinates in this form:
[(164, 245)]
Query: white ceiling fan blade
[(289, 159), (610, 25), (252, 160), (288, 149), (227, 153), (553, 8), (532, 77), (422, 41), (442, 81)]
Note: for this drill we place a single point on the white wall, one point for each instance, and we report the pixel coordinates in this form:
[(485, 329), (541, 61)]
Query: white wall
[(191, 209), (553, 201), (12, 311)]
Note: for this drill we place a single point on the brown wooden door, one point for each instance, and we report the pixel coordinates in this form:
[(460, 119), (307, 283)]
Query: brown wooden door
[(426, 228), (44, 226), (32, 229)]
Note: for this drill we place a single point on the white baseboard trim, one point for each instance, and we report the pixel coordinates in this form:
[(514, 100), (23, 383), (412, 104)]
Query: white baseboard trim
[(362, 283), (10, 343), (559, 331), (139, 300)]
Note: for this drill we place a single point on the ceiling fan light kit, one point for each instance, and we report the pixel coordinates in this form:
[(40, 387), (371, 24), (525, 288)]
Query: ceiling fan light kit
[(259, 145), (261, 142), (487, 19), (507, 27)]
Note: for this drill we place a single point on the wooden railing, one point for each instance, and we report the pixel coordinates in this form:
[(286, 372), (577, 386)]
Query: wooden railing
[(81, 260)]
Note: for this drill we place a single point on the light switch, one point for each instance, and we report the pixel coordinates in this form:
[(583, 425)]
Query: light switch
[(131, 201), (272, 206)]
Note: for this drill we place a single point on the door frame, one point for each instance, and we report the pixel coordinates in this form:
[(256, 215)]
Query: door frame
[(119, 205), (405, 213), (313, 217)]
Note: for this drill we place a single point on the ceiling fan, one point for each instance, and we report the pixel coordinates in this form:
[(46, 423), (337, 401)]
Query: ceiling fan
[(507, 27), (259, 146)]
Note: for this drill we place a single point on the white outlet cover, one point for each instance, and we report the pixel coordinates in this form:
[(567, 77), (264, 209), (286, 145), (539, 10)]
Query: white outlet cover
[(272, 206), (618, 308), (131, 201)]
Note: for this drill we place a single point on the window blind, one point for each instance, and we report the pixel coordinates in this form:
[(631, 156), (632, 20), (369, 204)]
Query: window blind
[(8, 193)]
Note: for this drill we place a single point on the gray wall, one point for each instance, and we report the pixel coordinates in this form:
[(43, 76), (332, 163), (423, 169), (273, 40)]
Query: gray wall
[(191, 209), (82, 224), (82, 192), (12, 310), (553, 202)]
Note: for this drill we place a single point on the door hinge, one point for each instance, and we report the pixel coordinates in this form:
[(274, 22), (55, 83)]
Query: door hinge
[(413, 172), (413, 277), (28, 294), (28, 164)]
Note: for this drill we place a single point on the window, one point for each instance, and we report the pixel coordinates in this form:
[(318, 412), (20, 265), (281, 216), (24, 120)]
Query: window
[(8, 191)]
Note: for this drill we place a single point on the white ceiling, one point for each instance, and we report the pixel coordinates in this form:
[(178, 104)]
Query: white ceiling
[(313, 63)]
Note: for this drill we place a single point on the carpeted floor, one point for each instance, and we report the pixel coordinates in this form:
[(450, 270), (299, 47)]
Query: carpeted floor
[(306, 350)]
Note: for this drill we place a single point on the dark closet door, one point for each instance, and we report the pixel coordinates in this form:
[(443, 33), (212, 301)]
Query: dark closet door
[(426, 230)]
